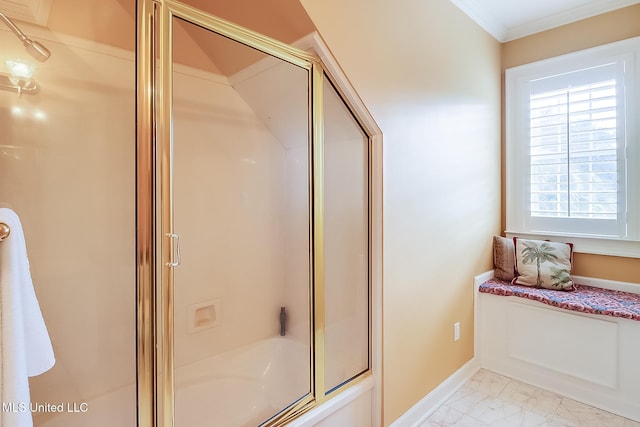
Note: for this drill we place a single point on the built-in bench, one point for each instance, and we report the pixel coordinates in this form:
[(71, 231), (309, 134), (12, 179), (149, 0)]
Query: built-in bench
[(585, 299), (583, 344)]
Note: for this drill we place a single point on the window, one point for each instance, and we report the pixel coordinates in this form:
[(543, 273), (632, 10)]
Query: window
[(573, 149)]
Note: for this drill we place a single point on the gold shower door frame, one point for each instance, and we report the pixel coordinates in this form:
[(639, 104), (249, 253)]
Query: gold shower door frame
[(155, 232)]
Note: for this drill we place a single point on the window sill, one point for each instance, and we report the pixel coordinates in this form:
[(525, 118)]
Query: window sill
[(588, 245)]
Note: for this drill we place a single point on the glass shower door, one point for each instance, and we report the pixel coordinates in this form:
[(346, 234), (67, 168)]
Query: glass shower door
[(241, 208), (346, 242)]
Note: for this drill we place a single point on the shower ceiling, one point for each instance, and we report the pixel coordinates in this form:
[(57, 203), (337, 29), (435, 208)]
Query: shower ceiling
[(112, 22), (31, 11)]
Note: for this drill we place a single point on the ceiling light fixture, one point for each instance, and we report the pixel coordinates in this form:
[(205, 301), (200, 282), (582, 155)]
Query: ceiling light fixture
[(20, 78)]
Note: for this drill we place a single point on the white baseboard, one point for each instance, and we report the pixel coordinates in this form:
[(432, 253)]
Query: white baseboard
[(422, 410)]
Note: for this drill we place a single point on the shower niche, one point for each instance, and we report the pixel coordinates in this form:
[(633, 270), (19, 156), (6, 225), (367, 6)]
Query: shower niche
[(264, 207)]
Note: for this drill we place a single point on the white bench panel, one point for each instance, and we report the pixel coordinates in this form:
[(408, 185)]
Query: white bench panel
[(576, 345)]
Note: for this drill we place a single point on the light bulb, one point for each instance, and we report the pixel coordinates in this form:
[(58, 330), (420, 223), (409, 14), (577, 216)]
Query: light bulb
[(20, 72)]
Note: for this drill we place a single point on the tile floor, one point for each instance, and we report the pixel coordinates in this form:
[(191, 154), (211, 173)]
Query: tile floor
[(489, 399)]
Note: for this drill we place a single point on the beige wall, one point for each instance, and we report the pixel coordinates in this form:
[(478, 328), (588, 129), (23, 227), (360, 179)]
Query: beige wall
[(610, 27), (431, 79), (606, 28)]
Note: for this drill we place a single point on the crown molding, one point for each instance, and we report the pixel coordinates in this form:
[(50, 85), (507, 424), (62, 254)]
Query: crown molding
[(482, 17), (566, 17), (502, 33)]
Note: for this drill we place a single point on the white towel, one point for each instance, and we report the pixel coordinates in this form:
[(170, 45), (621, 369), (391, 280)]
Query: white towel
[(26, 346)]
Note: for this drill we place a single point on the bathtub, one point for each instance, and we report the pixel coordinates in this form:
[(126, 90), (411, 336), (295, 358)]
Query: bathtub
[(242, 387), (246, 386)]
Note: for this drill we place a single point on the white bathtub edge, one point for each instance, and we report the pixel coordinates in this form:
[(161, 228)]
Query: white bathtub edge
[(418, 413), (334, 404)]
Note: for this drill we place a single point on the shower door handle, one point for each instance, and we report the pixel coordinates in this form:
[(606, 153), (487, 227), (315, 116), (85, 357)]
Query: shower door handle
[(174, 262)]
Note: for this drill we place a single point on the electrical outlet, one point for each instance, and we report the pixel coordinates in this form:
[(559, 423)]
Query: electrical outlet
[(456, 331)]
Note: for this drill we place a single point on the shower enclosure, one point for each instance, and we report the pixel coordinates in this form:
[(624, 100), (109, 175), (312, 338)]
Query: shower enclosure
[(264, 226), (214, 186)]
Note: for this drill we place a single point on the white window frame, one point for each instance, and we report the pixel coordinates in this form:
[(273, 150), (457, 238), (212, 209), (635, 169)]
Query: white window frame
[(517, 79)]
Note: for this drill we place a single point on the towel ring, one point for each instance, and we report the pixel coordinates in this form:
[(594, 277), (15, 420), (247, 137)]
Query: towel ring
[(4, 231)]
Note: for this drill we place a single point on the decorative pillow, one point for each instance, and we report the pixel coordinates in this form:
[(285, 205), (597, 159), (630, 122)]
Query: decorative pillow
[(503, 258), (543, 264)]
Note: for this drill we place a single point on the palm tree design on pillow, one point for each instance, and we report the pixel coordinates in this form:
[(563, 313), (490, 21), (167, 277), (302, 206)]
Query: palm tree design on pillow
[(538, 254), (560, 277)]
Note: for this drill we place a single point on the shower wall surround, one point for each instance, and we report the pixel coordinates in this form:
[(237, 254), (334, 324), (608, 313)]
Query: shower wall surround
[(67, 167), (231, 183)]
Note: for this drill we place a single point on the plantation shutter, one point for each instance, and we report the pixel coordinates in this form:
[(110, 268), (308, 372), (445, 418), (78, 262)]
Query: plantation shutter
[(576, 150)]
